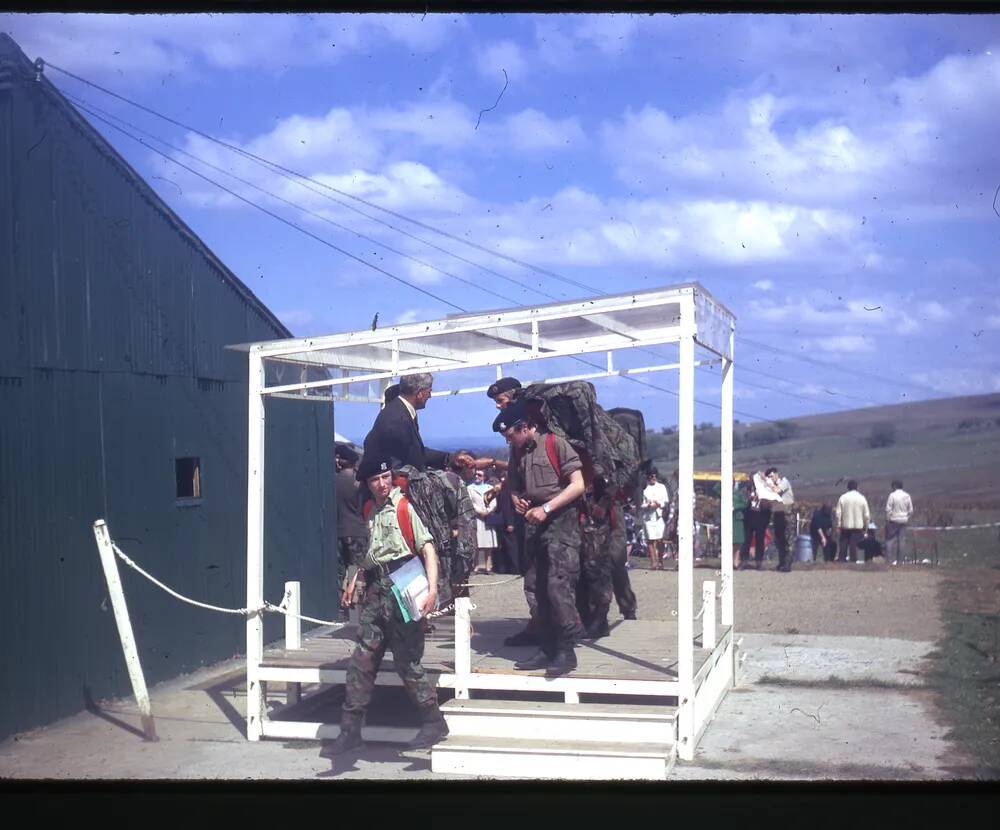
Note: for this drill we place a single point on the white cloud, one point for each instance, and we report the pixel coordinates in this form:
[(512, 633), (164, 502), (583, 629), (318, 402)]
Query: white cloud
[(993, 321), (960, 380), (183, 43), (843, 344), (534, 130), (934, 311), (296, 318), (763, 285), (496, 58)]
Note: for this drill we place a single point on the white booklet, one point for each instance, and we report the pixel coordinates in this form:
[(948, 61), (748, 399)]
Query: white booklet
[(411, 588)]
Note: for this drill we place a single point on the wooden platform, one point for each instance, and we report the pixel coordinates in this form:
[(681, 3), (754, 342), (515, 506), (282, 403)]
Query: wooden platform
[(638, 657)]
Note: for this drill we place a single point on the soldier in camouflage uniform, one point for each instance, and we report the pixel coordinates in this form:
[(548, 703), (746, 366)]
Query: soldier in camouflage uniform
[(595, 590), (382, 623), (547, 499)]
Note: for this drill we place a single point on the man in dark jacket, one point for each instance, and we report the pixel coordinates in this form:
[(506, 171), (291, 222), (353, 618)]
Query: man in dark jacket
[(352, 534), (396, 431)]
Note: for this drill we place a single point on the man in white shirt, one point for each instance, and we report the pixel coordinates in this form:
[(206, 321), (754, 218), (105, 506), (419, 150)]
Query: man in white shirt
[(852, 516), (898, 510)]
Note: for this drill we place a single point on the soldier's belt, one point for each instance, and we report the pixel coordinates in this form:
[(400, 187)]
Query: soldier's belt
[(382, 570)]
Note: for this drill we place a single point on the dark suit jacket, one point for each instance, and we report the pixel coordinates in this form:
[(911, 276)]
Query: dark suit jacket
[(396, 434)]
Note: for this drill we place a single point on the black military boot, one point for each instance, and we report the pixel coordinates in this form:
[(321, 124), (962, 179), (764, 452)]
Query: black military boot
[(348, 739), (564, 661), (596, 630), (434, 729), (522, 638), (538, 661), (629, 615)]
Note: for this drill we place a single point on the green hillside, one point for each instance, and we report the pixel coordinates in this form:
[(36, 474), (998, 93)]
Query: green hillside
[(947, 451)]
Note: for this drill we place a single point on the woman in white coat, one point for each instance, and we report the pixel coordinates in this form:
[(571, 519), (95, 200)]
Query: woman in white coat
[(486, 536), (655, 500)]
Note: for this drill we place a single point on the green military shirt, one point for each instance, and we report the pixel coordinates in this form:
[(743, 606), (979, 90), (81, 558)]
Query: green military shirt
[(533, 476), (385, 539)]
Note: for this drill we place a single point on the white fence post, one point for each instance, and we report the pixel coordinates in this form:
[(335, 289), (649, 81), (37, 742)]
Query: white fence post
[(293, 635), (463, 646), (120, 609), (293, 625), (685, 525), (708, 618)]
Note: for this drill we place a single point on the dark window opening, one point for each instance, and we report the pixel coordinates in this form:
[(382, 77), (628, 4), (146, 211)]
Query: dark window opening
[(188, 478)]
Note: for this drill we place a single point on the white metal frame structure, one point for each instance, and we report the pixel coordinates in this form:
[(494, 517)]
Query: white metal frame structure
[(346, 367)]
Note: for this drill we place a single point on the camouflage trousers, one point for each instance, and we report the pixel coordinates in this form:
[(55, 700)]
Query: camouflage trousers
[(594, 592), (628, 605), (552, 550), (350, 551), (382, 627)]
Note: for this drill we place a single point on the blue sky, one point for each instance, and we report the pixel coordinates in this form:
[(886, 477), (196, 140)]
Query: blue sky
[(805, 169)]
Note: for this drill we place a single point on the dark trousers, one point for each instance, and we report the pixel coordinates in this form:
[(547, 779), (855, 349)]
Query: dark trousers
[(756, 527), (552, 550), (628, 605), (849, 538), (780, 525), (829, 552)]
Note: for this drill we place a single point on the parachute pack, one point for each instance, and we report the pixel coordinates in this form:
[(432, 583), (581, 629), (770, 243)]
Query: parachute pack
[(442, 501), (606, 446)]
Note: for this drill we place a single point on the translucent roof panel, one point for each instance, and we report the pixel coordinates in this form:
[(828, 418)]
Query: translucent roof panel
[(608, 323)]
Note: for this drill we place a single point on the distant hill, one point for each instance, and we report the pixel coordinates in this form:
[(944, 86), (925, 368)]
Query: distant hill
[(945, 450)]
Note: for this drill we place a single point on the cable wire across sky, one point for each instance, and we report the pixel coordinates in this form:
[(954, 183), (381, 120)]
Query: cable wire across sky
[(318, 187)]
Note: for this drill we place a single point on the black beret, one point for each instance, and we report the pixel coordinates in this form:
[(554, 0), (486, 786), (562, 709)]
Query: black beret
[(375, 463), (511, 415), (345, 452), (503, 385)]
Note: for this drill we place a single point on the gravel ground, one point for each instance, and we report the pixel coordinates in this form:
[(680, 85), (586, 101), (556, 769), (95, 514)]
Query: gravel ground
[(872, 600)]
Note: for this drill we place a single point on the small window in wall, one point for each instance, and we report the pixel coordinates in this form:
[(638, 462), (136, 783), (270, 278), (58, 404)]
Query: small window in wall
[(188, 478)]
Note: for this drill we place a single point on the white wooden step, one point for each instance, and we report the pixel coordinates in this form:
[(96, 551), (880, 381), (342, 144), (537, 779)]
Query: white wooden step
[(544, 759), (557, 721)]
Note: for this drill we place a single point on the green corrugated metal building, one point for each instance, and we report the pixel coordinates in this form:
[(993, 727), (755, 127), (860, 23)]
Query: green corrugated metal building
[(118, 400)]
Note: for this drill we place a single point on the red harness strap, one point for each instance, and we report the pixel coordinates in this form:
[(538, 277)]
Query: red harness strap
[(402, 517)]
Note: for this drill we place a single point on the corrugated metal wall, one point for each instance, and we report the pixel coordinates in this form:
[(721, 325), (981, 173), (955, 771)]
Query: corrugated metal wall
[(113, 324)]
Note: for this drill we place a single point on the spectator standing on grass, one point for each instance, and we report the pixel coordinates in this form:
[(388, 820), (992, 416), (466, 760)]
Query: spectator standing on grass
[(870, 544), (779, 520), (486, 536), (898, 510), (655, 503), (821, 533), (763, 496), (740, 504), (853, 516)]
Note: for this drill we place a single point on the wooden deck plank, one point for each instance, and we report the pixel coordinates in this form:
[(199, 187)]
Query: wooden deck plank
[(634, 650)]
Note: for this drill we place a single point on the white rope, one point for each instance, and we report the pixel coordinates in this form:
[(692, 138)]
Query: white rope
[(958, 527), (489, 584), (243, 612)]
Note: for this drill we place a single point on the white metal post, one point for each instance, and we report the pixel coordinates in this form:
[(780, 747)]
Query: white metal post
[(293, 635), (685, 524), (124, 624), (463, 645), (708, 615), (726, 483), (255, 545)]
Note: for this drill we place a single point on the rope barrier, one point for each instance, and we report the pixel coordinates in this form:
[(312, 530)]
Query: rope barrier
[(243, 612), (958, 527)]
